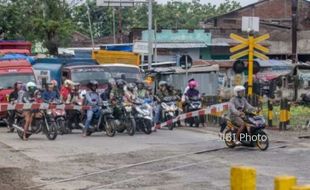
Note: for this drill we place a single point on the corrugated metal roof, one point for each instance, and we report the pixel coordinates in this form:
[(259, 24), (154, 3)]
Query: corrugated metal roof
[(275, 63), (194, 69), (179, 45)]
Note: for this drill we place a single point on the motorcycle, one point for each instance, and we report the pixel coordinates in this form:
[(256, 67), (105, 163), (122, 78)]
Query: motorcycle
[(125, 120), (194, 104), (143, 115), (104, 122), (45, 123), (59, 116), (255, 137), (169, 110)]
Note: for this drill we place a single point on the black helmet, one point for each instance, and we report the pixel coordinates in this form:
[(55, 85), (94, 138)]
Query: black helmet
[(93, 83), (120, 83)]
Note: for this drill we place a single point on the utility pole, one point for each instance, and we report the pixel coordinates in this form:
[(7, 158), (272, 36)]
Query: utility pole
[(113, 14), (150, 36), (120, 25), (90, 27), (294, 30)]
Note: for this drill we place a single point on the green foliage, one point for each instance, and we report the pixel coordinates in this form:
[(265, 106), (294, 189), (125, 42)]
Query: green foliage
[(47, 21), (174, 14), (53, 21)]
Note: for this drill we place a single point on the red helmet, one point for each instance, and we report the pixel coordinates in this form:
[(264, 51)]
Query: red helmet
[(193, 84)]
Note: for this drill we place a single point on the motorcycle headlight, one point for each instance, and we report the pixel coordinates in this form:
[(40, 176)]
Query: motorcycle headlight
[(49, 112), (164, 105), (128, 108)]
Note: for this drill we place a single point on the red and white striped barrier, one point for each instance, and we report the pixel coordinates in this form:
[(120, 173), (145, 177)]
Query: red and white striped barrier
[(213, 109), (40, 106)]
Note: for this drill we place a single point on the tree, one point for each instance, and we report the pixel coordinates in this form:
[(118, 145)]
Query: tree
[(174, 14), (47, 21)]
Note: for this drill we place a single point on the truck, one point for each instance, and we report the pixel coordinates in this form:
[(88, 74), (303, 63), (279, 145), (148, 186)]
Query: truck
[(14, 66), (120, 64), (80, 70)]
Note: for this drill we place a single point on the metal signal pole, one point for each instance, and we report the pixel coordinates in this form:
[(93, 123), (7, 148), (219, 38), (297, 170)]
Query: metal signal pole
[(150, 36)]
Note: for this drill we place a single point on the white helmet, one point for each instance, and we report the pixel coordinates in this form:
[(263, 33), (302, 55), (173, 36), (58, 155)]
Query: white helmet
[(237, 89), (31, 86)]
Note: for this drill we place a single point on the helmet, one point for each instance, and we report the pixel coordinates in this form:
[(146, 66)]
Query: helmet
[(131, 86), (161, 83), (112, 81), (237, 89), (18, 83), (68, 83), (76, 85), (120, 83), (192, 84), (54, 82), (31, 86), (93, 83), (140, 84)]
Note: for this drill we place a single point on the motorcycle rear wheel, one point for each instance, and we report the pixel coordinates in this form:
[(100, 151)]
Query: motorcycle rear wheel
[(262, 145), (147, 127), (61, 125), (229, 140), (131, 126)]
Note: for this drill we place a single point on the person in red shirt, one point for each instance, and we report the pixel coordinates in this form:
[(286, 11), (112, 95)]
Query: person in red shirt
[(65, 91)]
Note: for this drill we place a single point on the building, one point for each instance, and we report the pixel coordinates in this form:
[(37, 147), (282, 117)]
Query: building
[(169, 45), (275, 19)]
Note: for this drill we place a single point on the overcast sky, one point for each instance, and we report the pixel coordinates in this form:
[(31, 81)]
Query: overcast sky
[(216, 2)]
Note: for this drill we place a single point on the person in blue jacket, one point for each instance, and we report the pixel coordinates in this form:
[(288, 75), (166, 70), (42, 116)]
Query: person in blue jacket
[(50, 94)]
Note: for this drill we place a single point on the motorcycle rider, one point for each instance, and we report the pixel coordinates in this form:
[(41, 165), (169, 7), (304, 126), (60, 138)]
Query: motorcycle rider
[(130, 92), (106, 94), (187, 88), (12, 99), (92, 99), (65, 91), (118, 91), (50, 94), (239, 104), (75, 99), (27, 96), (160, 94), (141, 90)]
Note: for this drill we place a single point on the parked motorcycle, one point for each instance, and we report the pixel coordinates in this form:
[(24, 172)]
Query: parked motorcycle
[(104, 122), (143, 115), (123, 113), (169, 110), (255, 137), (194, 104), (45, 123)]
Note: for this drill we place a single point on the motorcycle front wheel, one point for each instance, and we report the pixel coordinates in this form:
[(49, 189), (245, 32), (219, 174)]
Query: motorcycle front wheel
[(147, 126), (20, 133), (110, 128), (51, 130), (172, 125), (61, 125), (131, 126)]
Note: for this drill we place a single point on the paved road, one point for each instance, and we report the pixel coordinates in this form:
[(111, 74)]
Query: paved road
[(179, 159)]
